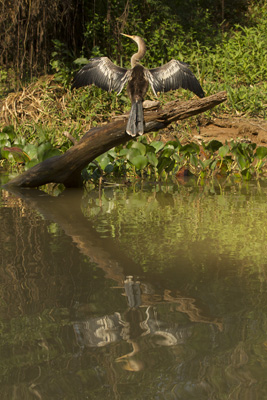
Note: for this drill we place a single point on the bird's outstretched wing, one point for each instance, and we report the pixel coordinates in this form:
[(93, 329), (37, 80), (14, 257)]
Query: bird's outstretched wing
[(173, 75), (103, 73)]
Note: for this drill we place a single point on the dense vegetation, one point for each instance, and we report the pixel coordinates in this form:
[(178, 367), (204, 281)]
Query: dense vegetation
[(224, 42)]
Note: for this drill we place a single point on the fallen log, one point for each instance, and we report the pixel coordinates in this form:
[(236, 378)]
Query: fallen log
[(67, 167)]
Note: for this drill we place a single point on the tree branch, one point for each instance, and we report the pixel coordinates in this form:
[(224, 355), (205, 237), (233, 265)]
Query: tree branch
[(67, 167)]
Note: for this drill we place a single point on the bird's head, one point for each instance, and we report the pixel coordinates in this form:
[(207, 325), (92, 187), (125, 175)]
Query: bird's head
[(140, 42)]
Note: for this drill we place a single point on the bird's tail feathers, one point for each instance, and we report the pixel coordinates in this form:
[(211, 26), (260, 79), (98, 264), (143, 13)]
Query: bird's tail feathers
[(135, 124)]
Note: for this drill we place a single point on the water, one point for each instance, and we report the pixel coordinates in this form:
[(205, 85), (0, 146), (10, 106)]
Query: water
[(134, 293)]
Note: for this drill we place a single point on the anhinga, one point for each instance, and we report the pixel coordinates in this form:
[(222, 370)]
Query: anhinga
[(108, 76)]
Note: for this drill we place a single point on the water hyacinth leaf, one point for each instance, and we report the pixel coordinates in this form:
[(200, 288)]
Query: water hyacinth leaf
[(103, 160), (5, 142), (223, 150), (241, 161), (42, 149), (130, 153), (174, 143), (51, 153), (140, 162), (31, 150), (139, 146), (213, 165), (31, 163), (18, 154), (157, 145), (170, 167), (190, 148), (213, 145), (163, 164), (246, 173), (206, 163), (112, 153), (152, 159), (150, 149), (9, 131), (168, 151), (261, 152), (193, 160), (109, 168)]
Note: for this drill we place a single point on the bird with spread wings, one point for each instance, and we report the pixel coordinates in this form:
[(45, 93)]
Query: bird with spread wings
[(102, 72)]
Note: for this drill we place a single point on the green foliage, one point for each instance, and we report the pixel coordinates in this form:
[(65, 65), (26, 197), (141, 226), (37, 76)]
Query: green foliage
[(61, 62), (172, 160), (15, 149)]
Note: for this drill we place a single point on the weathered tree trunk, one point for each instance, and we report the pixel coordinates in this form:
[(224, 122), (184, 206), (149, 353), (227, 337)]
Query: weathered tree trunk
[(67, 167)]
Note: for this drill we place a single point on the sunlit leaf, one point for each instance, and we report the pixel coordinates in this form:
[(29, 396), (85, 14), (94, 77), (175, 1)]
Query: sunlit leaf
[(81, 61), (31, 163), (223, 150), (31, 150), (261, 152), (140, 162), (103, 160), (130, 153), (168, 151), (157, 145), (152, 159), (241, 161), (140, 146)]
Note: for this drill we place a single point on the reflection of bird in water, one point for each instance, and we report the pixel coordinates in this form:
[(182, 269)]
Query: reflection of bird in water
[(108, 76)]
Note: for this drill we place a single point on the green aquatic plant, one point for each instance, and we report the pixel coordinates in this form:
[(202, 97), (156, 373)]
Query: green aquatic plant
[(16, 150), (162, 161)]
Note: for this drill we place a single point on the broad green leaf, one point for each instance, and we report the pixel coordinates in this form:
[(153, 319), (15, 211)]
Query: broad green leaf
[(223, 150), (174, 143), (31, 163), (168, 151), (163, 164), (140, 146), (81, 61), (140, 162), (109, 168), (9, 130), (193, 160), (157, 145), (241, 161), (42, 149), (261, 152), (170, 167), (112, 153), (213, 145), (31, 150), (5, 142), (130, 153), (152, 159), (103, 160), (51, 153), (190, 148)]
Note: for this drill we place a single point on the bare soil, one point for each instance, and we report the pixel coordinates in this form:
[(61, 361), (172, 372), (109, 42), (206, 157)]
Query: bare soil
[(228, 128)]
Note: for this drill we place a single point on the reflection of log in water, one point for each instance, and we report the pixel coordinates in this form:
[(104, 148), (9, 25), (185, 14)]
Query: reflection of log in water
[(65, 210)]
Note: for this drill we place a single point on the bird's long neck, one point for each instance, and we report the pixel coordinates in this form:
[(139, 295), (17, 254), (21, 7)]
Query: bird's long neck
[(140, 54)]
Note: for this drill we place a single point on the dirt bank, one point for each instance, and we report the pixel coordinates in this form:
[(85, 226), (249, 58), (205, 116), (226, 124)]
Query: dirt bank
[(227, 128)]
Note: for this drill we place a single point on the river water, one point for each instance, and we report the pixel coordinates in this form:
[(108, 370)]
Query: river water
[(140, 292)]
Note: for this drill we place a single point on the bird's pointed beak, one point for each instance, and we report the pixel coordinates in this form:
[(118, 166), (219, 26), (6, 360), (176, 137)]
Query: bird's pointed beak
[(124, 34)]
